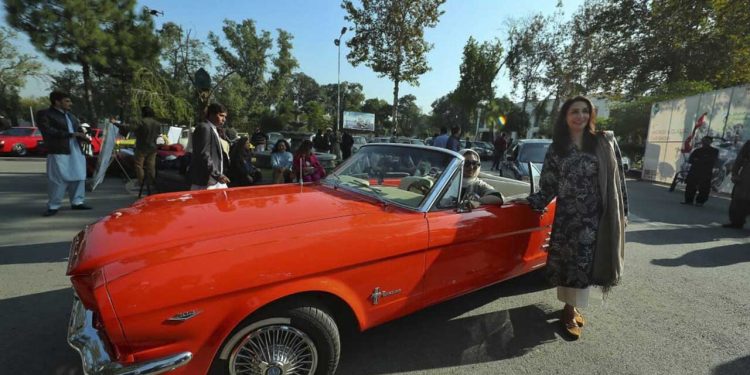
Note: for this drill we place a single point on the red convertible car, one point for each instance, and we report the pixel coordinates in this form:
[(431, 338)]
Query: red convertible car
[(261, 280), (20, 141)]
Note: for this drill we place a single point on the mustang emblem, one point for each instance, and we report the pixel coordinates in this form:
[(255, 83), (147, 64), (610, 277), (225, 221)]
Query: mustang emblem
[(377, 294)]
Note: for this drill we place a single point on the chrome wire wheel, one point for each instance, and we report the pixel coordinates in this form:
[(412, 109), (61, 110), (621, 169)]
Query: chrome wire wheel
[(274, 350)]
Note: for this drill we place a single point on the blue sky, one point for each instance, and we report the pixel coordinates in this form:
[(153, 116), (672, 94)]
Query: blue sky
[(315, 23)]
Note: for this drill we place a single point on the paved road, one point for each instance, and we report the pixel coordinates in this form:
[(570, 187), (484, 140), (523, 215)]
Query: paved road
[(683, 306)]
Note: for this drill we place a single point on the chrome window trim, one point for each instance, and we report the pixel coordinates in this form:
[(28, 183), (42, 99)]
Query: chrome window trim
[(442, 184)]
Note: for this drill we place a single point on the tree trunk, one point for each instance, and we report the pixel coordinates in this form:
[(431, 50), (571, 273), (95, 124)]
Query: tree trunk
[(395, 105), (88, 93)]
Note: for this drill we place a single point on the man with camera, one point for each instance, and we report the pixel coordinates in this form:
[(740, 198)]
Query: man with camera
[(66, 165)]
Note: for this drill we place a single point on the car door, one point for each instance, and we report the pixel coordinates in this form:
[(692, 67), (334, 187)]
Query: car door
[(471, 249)]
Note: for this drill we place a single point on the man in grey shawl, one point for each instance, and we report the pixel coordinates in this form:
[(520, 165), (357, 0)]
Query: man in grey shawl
[(66, 165)]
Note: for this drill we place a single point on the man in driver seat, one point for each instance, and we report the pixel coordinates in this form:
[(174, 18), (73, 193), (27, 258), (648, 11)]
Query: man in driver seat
[(473, 188)]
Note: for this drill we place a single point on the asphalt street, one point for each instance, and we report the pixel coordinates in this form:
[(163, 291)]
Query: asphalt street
[(683, 306)]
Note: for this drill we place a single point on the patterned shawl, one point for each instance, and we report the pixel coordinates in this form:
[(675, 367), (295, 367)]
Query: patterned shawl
[(610, 242)]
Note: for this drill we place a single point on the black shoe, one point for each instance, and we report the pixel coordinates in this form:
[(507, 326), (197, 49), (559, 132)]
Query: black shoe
[(731, 225), (49, 212), (690, 203), (80, 207)]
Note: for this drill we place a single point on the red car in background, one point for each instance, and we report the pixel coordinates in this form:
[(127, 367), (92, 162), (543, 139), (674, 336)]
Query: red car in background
[(20, 141)]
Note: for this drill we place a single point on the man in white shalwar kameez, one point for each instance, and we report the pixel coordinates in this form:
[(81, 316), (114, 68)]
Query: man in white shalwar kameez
[(66, 164)]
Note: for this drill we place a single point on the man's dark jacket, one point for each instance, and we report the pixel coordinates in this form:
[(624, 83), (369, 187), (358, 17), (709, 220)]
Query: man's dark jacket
[(205, 161), (145, 135), (54, 128), (702, 163)]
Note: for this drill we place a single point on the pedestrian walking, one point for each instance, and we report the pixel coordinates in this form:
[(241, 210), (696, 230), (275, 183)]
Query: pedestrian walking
[(209, 160), (501, 144), (582, 169), (702, 161), (347, 142), (739, 207), (454, 141), (442, 139), (66, 165)]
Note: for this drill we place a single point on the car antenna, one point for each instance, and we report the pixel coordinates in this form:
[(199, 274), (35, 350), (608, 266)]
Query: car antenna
[(300, 172)]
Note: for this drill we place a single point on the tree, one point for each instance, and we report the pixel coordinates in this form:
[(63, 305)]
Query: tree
[(181, 57), (411, 115), (351, 97), (389, 38), (481, 63), (248, 56), (14, 69), (448, 112), (108, 35), (382, 110), (526, 54)]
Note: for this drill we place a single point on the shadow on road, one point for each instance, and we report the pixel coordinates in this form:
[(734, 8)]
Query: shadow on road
[(435, 338), (36, 253), (684, 235), (739, 366), (711, 257), (36, 333)]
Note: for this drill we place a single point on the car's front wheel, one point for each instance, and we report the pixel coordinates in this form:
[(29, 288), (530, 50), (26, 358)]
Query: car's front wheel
[(298, 341), (19, 149)]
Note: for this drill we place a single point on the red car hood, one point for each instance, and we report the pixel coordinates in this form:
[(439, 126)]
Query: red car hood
[(174, 219)]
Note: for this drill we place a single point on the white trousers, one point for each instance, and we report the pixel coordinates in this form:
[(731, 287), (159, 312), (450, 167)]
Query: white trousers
[(56, 190), (574, 296)]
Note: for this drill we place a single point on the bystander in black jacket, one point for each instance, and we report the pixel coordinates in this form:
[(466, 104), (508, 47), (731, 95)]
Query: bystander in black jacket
[(54, 128)]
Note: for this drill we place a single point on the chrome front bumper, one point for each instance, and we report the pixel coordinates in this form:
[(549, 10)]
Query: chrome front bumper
[(86, 339)]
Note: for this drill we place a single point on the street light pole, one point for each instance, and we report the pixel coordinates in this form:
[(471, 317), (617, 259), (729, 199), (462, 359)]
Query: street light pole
[(479, 114), (337, 42)]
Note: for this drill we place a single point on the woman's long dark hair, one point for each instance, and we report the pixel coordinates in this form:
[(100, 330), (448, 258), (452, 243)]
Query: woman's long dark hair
[(237, 151), (304, 148), (561, 137)]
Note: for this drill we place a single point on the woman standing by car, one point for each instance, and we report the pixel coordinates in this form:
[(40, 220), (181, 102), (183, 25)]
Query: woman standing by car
[(582, 169), (281, 162), (306, 165)]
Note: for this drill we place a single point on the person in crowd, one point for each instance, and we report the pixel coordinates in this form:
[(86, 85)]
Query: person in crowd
[(66, 165), (454, 141), (147, 132), (321, 142), (702, 161), (209, 160), (347, 142), (473, 188), (241, 171), (4, 123), (305, 163), (501, 144), (281, 162), (259, 140), (583, 170), (442, 139), (334, 140), (739, 207)]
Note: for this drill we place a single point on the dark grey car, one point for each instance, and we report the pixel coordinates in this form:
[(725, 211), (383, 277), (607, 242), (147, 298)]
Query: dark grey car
[(523, 152)]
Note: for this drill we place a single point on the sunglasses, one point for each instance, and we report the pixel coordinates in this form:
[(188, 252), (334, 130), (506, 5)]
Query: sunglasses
[(471, 163)]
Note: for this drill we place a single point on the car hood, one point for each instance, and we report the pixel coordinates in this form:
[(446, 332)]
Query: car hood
[(177, 219)]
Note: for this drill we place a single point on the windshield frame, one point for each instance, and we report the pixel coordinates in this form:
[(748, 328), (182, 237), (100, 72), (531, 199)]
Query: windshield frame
[(429, 200)]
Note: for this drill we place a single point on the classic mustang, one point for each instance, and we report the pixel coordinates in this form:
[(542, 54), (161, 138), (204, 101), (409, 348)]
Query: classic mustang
[(261, 280)]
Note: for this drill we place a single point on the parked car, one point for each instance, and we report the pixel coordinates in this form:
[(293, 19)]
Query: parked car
[(484, 149), (20, 141), (523, 152), (263, 279), (359, 141)]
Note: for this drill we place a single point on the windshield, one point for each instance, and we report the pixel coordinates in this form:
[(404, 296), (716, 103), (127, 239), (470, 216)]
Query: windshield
[(533, 152), (359, 140), (17, 132), (392, 174)]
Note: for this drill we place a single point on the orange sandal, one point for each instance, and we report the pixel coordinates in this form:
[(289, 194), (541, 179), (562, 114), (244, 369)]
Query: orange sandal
[(580, 321)]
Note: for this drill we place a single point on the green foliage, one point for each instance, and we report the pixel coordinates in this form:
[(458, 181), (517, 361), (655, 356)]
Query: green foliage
[(150, 89), (389, 38), (382, 110), (181, 57), (448, 112), (15, 67), (106, 36), (481, 63), (248, 56)]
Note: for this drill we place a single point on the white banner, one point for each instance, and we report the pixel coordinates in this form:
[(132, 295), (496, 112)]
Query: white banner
[(174, 134), (105, 154), (359, 121)]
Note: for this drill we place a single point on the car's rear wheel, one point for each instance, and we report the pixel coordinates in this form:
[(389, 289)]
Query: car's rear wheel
[(19, 149), (293, 341)]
